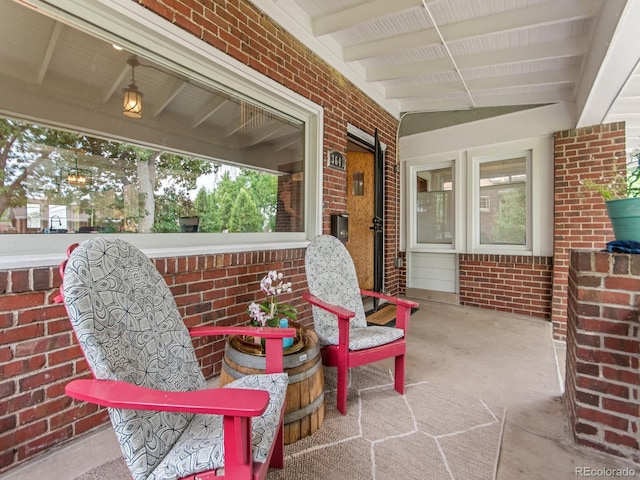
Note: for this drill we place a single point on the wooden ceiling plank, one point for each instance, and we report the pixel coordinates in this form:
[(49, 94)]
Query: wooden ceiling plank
[(350, 17), (528, 53), (530, 79), (547, 13)]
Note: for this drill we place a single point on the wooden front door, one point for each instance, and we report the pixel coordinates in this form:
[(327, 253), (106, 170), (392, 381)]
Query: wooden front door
[(360, 207)]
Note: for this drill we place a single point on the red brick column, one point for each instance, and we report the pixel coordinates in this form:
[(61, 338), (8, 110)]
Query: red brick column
[(603, 352), (580, 219)]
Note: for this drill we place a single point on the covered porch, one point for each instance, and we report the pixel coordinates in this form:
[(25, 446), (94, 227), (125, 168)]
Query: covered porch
[(502, 359)]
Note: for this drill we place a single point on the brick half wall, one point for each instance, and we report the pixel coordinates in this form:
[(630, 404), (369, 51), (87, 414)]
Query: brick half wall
[(603, 352), (507, 283)]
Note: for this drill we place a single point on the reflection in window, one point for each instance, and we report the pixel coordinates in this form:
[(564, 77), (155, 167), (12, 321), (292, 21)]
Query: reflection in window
[(214, 146), (435, 209), (358, 184), (504, 184), (142, 190)]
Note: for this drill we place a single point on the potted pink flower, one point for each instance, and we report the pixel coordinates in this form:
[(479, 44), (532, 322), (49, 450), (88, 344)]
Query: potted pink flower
[(272, 313)]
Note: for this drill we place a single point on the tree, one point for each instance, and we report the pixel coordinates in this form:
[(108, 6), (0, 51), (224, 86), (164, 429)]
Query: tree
[(245, 215), (511, 218), (126, 178)]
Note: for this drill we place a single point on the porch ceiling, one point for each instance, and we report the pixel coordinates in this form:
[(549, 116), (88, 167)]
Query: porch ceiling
[(408, 55), (431, 55)]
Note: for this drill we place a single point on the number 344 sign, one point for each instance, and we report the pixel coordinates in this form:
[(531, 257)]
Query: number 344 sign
[(337, 160)]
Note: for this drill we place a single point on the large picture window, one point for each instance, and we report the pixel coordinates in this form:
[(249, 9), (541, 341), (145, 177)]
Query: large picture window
[(112, 129), (61, 182)]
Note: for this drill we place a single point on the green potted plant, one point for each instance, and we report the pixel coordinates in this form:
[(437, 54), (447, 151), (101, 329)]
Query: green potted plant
[(189, 220), (621, 193)]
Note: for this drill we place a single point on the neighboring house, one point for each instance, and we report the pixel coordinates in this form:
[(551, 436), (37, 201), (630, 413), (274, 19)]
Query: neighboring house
[(232, 85)]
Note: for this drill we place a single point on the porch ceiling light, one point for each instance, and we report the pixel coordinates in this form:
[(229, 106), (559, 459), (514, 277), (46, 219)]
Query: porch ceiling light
[(132, 102)]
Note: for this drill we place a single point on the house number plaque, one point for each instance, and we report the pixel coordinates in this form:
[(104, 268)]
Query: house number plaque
[(337, 160)]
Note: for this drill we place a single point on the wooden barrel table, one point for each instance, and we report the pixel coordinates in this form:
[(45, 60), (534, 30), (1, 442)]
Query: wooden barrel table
[(304, 409)]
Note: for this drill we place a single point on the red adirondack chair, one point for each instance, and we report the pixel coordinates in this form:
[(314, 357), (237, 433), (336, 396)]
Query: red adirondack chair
[(144, 367), (339, 317)]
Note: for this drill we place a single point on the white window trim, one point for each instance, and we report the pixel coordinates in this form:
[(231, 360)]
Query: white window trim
[(540, 184), (411, 170), (145, 33), (474, 205), (539, 196)]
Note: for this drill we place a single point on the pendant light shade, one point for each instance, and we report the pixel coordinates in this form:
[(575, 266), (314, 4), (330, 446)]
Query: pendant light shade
[(132, 101)]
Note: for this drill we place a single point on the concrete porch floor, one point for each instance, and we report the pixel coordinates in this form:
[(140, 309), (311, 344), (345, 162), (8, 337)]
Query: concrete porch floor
[(503, 359)]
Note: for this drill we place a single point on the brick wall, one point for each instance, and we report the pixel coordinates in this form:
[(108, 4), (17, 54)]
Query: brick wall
[(39, 355), (507, 283), (580, 218), (603, 351)]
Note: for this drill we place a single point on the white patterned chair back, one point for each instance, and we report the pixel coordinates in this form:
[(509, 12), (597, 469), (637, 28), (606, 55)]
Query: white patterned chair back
[(331, 276), (128, 325)]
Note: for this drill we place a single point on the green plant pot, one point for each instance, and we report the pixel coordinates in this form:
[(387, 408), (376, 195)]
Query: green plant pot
[(625, 218)]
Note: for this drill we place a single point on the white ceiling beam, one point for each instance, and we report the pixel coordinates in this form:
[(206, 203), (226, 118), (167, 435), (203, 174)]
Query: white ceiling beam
[(207, 110), (387, 46), (286, 142), (164, 100), (353, 16), (531, 79), (392, 72), (530, 53), (611, 62), (113, 86), (630, 106), (519, 19), (270, 130), (462, 102), (51, 47)]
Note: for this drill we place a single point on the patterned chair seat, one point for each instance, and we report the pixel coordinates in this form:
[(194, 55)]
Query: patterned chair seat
[(201, 445)]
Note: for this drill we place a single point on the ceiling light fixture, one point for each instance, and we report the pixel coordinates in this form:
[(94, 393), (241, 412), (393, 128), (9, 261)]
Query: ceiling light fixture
[(132, 102), (79, 176)]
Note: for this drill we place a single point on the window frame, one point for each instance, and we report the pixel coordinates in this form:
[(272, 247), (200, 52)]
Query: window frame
[(474, 204), (147, 34), (409, 182)]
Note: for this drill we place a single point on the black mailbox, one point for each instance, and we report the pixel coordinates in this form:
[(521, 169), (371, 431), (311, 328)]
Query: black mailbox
[(340, 226)]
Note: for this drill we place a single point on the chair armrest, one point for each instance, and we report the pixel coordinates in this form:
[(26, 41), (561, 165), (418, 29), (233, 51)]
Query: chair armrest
[(403, 307), (274, 362), (262, 332), (219, 401), (340, 312), (344, 316), (395, 300)]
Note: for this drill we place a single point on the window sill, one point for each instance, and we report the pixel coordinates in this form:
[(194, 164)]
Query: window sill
[(50, 259)]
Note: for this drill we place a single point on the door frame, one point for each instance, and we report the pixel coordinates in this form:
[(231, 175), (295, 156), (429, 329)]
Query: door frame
[(370, 142)]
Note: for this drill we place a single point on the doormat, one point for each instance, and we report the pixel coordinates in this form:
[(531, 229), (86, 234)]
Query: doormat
[(384, 316)]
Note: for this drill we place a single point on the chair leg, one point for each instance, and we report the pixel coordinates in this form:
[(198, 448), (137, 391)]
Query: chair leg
[(277, 456), (343, 380), (399, 374)]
